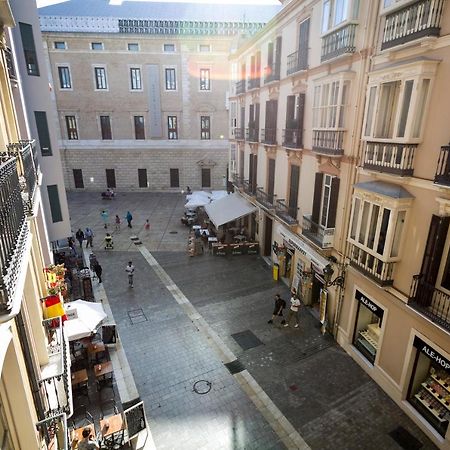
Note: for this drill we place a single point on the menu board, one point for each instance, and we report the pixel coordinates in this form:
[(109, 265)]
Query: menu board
[(135, 419)]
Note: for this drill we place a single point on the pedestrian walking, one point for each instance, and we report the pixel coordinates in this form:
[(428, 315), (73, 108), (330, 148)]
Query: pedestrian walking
[(98, 271), (117, 223), (130, 271), (129, 218), (80, 236), (147, 226), (105, 218), (280, 304), (293, 312), (89, 235)]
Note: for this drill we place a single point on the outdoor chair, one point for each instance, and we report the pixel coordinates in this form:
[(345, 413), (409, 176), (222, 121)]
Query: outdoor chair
[(108, 407), (83, 419)]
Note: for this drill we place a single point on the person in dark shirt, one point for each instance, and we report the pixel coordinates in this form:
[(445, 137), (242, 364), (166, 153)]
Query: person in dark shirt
[(280, 304), (98, 271)]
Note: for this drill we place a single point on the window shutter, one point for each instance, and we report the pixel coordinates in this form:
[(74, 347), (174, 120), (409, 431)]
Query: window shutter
[(331, 222), (251, 116), (43, 133), (278, 55), (110, 178), (303, 44), (257, 116), (290, 111), (55, 205), (317, 199), (78, 178), (242, 117), (142, 178), (299, 116), (293, 191), (270, 54), (271, 181), (254, 163)]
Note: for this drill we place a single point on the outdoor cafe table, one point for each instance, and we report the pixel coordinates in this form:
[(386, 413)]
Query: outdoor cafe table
[(103, 369), (95, 348), (111, 425), (80, 376)]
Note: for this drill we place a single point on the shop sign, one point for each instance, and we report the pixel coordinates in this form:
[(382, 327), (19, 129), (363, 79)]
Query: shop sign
[(424, 348), (369, 304)]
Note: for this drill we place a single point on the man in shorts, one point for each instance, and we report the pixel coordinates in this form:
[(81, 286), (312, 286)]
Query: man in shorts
[(280, 304), (130, 271)]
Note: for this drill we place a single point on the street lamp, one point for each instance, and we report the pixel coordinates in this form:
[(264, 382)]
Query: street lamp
[(328, 273)]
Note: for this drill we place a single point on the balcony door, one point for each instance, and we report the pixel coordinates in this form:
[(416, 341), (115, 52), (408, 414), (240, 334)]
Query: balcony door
[(253, 172), (293, 191), (271, 180)]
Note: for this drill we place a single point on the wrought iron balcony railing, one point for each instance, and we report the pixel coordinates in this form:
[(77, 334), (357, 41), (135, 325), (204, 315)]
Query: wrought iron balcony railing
[(376, 269), (296, 62), (317, 233), (412, 22), (55, 375), (249, 188), (254, 83), (443, 169), (269, 136), (286, 213), (430, 301), (9, 57), (240, 87), (339, 42), (239, 134), (53, 433), (390, 157), (272, 73), (252, 134), (13, 233), (265, 199), (238, 181), (328, 142), (23, 151), (292, 138)]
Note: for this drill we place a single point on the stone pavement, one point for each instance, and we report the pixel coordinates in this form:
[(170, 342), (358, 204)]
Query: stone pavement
[(313, 384)]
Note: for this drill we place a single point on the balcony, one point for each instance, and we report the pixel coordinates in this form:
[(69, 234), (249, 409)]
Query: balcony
[(238, 181), (249, 188), (253, 83), (296, 62), (53, 433), (9, 57), (55, 375), (293, 138), (272, 73), (338, 42), (430, 301), (252, 134), (443, 169), (265, 199), (328, 142), (321, 236), (240, 87), (239, 134), (390, 157), (13, 235), (379, 271), (412, 22), (269, 136), (286, 213)]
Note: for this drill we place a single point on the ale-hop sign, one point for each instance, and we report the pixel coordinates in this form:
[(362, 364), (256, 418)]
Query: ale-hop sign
[(434, 355), (369, 304)]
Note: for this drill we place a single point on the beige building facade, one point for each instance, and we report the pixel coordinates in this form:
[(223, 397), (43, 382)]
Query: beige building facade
[(142, 104), (339, 137)]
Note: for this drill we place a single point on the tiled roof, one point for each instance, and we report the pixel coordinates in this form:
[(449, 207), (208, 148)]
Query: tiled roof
[(383, 188)]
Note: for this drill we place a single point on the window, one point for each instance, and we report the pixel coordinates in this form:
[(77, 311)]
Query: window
[(105, 126), (55, 205), (64, 77), (142, 178), (171, 83), (204, 47), (139, 131), (135, 78), (71, 126), (29, 49), (59, 45), (169, 47), (174, 178), (172, 127), (326, 192), (43, 133), (206, 178), (78, 178), (330, 100), (110, 178), (96, 45), (205, 127), (204, 80), (335, 12), (133, 47), (294, 182), (100, 78)]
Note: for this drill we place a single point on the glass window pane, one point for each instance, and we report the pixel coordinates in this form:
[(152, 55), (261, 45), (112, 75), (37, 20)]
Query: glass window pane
[(355, 218), (370, 111), (420, 109), (340, 11), (373, 226), (405, 108), (387, 109), (364, 220), (326, 16), (345, 86), (398, 233), (383, 231)]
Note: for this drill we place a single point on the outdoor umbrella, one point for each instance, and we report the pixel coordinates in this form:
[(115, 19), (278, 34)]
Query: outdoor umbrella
[(83, 318)]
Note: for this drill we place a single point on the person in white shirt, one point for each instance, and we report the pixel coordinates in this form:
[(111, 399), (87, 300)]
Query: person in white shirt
[(293, 311), (130, 271)]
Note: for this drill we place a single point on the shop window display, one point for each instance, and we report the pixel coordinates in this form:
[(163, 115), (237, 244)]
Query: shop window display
[(367, 332), (429, 390)]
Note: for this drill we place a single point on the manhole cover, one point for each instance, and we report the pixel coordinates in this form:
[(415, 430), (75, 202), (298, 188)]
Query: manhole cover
[(173, 232), (202, 387), (246, 339)]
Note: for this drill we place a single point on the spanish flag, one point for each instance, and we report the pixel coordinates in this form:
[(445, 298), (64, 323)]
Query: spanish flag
[(53, 307)]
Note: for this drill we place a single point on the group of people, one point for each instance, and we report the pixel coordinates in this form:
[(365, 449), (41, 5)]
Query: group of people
[(117, 221), (280, 305)]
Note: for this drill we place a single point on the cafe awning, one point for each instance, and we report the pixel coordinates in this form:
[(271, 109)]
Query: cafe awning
[(228, 208)]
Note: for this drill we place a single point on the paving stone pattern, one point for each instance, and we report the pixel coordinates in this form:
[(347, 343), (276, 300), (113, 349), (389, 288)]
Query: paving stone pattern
[(326, 396)]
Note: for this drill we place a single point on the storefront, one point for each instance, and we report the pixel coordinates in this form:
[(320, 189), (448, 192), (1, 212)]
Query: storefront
[(369, 318), (429, 388)]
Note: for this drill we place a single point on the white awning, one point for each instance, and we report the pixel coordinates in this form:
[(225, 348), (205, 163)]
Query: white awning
[(228, 208)]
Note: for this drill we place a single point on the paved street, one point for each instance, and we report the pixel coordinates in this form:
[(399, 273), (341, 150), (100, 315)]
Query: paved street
[(313, 384)]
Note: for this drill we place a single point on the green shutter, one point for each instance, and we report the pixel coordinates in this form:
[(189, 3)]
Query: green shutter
[(55, 206), (43, 134)]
